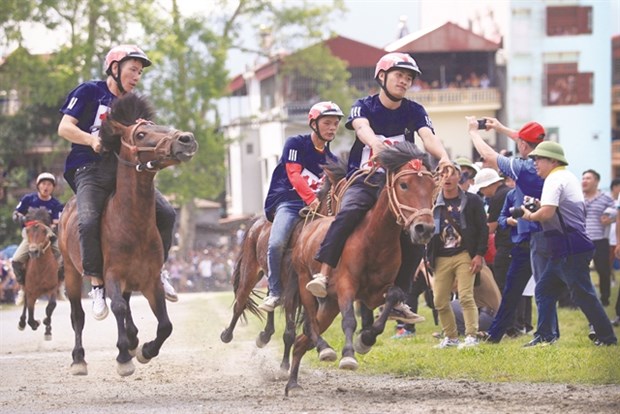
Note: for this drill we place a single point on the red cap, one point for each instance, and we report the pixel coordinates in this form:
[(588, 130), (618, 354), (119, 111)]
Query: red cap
[(532, 132)]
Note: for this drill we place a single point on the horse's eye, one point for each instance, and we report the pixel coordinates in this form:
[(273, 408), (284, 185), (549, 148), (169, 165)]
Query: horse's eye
[(403, 186), (140, 135)]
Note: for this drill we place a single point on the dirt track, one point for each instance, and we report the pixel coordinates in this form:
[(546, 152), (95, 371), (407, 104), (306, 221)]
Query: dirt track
[(197, 373)]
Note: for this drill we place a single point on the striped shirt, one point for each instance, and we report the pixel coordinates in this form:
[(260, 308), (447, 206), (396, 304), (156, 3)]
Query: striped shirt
[(595, 208)]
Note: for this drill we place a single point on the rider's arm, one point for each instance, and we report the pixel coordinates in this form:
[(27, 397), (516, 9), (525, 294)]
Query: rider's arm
[(293, 171), (364, 133), (69, 130), (433, 145)]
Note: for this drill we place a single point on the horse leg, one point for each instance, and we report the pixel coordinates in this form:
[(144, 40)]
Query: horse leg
[(49, 309), (368, 337), (227, 334), (289, 338), (130, 327), (349, 325), (120, 309), (30, 301), (157, 302), (265, 335), (22, 319), (302, 344), (78, 366)]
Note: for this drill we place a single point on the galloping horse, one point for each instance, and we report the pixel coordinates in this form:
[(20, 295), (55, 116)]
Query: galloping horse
[(371, 258), (41, 270), (132, 248), (251, 266)]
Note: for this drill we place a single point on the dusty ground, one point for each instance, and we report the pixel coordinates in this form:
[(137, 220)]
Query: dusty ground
[(197, 373)]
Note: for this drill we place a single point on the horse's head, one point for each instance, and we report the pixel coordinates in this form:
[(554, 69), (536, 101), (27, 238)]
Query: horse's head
[(38, 232), (129, 131), (411, 189), (335, 171)]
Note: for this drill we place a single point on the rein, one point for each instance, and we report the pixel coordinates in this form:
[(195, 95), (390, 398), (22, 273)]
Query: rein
[(149, 166), (398, 209)]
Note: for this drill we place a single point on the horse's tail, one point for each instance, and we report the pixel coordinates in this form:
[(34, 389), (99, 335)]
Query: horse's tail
[(251, 304)]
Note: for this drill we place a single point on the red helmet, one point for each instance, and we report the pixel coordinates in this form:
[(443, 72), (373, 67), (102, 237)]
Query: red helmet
[(326, 108), (397, 60), (123, 52)]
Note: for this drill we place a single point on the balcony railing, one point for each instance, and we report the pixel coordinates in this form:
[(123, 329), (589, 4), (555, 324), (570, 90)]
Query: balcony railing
[(472, 96)]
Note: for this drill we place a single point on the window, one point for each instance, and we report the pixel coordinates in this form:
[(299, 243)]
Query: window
[(565, 85), (569, 20)]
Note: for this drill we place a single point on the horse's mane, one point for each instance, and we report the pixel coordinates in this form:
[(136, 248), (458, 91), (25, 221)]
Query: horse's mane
[(39, 214), (334, 170), (395, 156), (125, 110)]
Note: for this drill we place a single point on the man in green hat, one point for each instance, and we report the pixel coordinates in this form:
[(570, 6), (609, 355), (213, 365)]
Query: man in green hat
[(562, 215)]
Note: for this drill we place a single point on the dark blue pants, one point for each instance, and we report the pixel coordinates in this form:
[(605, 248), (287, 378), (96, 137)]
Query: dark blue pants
[(519, 273)]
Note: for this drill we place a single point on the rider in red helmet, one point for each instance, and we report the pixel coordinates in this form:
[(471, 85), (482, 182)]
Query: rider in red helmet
[(91, 173), (379, 120), (294, 184)]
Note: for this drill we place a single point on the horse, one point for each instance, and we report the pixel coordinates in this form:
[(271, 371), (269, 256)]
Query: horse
[(41, 270), (251, 266), (371, 257), (131, 245)]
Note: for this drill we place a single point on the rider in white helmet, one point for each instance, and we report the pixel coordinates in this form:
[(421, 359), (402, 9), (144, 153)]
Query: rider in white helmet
[(294, 184), (46, 182), (91, 173)]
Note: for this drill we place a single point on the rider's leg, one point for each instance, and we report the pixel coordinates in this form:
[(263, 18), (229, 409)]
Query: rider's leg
[(165, 217), (286, 216), (20, 258), (357, 200)]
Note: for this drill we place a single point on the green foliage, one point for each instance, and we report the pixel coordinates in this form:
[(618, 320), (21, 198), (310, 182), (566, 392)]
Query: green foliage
[(10, 232)]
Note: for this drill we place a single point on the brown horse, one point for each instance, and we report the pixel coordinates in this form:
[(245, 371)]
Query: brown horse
[(132, 248), (251, 266), (371, 258), (41, 270)]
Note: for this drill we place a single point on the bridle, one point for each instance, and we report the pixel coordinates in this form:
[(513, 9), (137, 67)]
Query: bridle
[(46, 245), (160, 150), (400, 210)]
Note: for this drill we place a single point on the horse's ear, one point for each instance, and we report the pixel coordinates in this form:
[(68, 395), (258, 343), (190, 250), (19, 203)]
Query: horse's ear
[(116, 127)]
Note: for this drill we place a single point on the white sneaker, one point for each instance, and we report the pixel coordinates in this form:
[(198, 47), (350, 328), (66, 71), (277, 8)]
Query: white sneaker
[(21, 297), (318, 285), (270, 303), (100, 307), (402, 312), (447, 343), (169, 291), (469, 342)]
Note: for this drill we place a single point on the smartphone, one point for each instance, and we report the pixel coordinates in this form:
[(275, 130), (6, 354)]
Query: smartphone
[(482, 124)]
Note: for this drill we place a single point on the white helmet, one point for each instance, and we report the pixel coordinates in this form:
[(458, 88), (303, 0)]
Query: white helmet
[(46, 176)]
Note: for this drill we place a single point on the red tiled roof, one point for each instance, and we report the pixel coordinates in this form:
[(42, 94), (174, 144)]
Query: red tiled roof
[(448, 37)]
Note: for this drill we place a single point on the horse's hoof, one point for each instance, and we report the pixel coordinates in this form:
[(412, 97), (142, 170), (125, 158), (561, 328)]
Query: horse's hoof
[(349, 363), (140, 356), (79, 369), (260, 343), (21, 327), (360, 347), (294, 389), (35, 325), (132, 352), (125, 369), (328, 355), (47, 337), (226, 336)]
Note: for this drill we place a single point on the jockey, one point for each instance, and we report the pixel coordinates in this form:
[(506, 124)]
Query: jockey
[(91, 173), (294, 184), (379, 120), (46, 182)]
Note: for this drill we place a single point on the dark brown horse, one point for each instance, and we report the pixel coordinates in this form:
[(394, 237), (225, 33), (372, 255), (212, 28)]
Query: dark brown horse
[(251, 266), (132, 248), (371, 258), (41, 270)]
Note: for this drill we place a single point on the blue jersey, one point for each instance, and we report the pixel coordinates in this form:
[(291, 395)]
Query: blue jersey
[(390, 125), (298, 150), (88, 103), (32, 200)]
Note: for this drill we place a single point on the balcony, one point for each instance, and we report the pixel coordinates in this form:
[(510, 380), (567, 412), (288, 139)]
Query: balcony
[(447, 100)]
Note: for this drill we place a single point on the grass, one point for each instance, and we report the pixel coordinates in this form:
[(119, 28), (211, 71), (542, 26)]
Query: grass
[(572, 360)]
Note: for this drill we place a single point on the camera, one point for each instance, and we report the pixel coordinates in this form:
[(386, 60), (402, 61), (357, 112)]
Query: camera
[(482, 124), (528, 202)]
